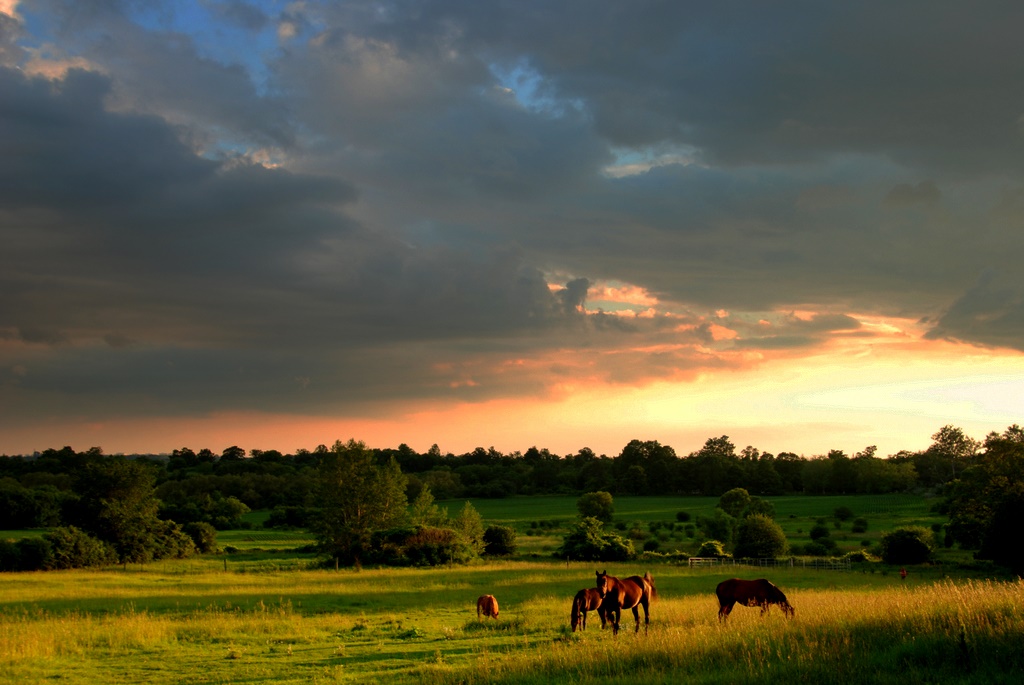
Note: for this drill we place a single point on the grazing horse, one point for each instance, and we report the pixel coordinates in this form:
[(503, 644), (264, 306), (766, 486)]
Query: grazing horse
[(587, 599), (750, 593), (630, 593), (486, 605)]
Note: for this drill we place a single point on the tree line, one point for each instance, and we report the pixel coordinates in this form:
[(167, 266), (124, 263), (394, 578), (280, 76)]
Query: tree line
[(140, 507)]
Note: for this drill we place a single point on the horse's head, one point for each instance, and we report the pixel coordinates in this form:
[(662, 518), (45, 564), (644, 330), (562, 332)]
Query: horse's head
[(787, 609), (602, 582)]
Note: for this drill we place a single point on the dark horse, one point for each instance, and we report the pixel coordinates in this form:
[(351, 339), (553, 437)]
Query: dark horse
[(586, 600), (750, 593), (630, 593)]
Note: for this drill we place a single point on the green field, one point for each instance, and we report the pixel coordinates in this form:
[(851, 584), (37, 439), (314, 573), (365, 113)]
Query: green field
[(195, 623), (542, 521), (264, 615)]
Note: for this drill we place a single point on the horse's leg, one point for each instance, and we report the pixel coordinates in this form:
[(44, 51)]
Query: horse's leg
[(647, 615), (615, 615), (583, 620), (636, 617), (723, 611)]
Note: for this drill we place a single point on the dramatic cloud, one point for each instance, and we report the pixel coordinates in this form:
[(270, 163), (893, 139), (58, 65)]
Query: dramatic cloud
[(338, 209)]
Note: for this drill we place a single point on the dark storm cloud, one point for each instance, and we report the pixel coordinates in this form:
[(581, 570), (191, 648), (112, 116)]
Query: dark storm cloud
[(990, 313), (432, 167)]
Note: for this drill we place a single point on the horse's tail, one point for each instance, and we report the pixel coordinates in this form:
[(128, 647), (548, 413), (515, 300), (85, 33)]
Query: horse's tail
[(574, 618), (649, 579)]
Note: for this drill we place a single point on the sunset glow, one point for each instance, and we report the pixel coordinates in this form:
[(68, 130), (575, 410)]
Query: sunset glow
[(278, 225)]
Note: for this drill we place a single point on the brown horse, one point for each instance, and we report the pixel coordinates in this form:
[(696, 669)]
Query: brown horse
[(750, 593), (486, 605), (631, 593), (587, 599)]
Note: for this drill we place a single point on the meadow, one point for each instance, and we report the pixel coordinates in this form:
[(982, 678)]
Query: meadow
[(265, 615)]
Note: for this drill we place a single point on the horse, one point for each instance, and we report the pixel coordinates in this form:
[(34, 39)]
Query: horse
[(587, 599), (750, 593), (630, 593), (486, 605)]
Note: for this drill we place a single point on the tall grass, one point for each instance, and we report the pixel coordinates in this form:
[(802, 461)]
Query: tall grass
[(172, 623), (969, 632)]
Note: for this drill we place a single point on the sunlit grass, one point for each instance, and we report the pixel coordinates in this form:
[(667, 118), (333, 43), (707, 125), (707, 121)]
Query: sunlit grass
[(175, 623)]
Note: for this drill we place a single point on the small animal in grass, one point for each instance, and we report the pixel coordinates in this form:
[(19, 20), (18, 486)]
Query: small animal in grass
[(750, 593), (586, 600), (486, 606)]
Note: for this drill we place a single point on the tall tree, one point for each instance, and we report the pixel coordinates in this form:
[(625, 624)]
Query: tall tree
[(985, 503), (355, 497), (117, 503)]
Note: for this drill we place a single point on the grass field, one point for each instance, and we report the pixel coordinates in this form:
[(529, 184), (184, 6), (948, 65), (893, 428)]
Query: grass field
[(192, 622), (263, 614), (541, 521)]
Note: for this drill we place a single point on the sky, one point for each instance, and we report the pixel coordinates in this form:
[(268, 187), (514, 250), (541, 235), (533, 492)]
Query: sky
[(546, 223)]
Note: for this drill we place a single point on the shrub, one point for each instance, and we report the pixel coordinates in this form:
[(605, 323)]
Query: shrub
[(204, 536), (437, 546), (759, 507), (9, 560), (33, 554), (171, 542), (711, 548), (597, 505), (843, 513), (815, 549), (908, 545), (72, 547), (734, 501), (860, 556), (682, 516), (651, 546), (860, 525), (820, 531), (500, 541), (760, 537), (718, 526), (588, 541)]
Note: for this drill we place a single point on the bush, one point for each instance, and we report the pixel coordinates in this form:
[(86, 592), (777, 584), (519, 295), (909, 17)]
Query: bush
[(843, 513), (815, 549), (759, 507), (652, 546), (597, 505), (588, 541), (33, 554), (204, 536), (436, 547), (908, 545), (718, 526), (712, 548), (734, 502), (682, 516), (171, 542), (860, 556), (9, 560), (860, 525), (71, 547), (760, 537), (820, 531), (500, 541)]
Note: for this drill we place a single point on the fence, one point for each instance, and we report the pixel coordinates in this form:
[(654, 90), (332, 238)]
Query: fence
[(792, 562)]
